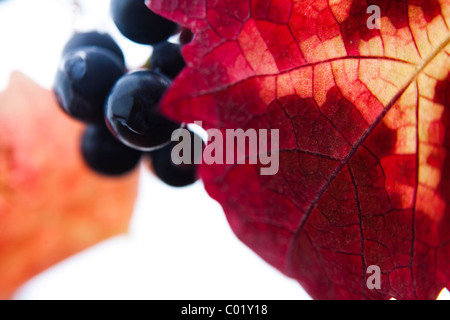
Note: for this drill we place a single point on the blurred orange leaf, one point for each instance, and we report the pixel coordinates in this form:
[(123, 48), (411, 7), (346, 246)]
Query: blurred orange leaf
[(51, 204)]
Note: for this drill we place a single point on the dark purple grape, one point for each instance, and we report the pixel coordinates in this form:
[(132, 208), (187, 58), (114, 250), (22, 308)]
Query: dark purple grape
[(132, 112), (186, 36), (177, 175), (167, 59), (139, 24), (93, 39), (83, 81), (104, 154)]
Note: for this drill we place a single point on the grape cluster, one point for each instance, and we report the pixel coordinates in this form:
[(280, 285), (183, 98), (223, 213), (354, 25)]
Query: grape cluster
[(120, 107)]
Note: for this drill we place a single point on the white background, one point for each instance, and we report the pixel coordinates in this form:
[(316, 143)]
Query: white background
[(179, 245)]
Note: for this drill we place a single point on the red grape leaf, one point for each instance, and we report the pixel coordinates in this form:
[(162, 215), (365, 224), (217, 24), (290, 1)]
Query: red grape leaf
[(363, 116), (51, 204)]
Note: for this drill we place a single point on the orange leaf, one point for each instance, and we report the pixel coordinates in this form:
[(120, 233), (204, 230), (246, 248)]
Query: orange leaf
[(51, 204)]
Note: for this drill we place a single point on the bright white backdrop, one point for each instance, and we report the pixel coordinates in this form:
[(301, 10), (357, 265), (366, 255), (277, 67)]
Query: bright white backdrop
[(179, 245)]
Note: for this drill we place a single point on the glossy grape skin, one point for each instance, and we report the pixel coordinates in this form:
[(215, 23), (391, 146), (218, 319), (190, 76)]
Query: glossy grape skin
[(83, 81), (104, 154), (93, 39), (166, 170), (139, 24), (167, 59), (132, 111)]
